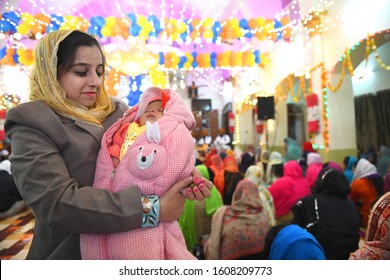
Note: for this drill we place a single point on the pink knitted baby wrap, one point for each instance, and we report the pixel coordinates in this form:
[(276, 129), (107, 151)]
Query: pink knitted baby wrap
[(167, 146)]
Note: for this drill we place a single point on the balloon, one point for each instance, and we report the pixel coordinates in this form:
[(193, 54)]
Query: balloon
[(132, 17), (94, 30), (153, 18), (277, 24), (11, 16), (181, 27), (51, 27), (249, 34), (161, 58), (5, 26), (285, 20), (243, 24), (43, 18), (260, 22), (252, 23), (3, 52), (106, 31), (110, 21), (55, 19), (207, 22), (135, 30), (208, 34), (99, 21)]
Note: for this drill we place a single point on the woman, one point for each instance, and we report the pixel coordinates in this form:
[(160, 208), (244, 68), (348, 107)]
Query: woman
[(255, 174), (287, 190), (349, 164), (377, 242), (232, 176), (274, 168), (330, 215), (55, 140), (291, 242), (314, 166), (238, 231), (366, 188)]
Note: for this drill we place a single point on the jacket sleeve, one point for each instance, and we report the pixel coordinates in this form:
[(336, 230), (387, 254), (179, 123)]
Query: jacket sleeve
[(42, 176)]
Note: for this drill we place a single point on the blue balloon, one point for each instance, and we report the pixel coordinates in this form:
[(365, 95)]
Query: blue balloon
[(133, 18), (52, 27), (98, 21), (135, 30), (183, 59), (157, 27), (190, 28), (248, 35), (244, 23), (216, 25), (16, 57), (11, 16), (13, 28), (277, 24), (213, 62), (3, 52), (94, 30), (56, 19), (161, 58), (194, 54), (154, 19), (183, 36), (213, 55), (5, 26), (138, 80), (194, 64)]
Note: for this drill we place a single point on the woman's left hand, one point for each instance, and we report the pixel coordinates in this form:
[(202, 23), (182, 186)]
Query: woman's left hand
[(200, 187)]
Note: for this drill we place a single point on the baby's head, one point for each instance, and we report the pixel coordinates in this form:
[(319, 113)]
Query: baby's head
[(152, 113), (152, 105)]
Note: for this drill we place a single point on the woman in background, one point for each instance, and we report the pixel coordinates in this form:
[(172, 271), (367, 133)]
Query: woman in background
[(330, 215), (238, 231), (377, 241)]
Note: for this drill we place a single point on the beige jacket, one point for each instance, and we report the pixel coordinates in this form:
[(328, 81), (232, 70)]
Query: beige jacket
[(53, 164)]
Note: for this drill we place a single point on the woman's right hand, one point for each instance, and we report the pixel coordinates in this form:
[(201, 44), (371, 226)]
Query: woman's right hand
[(172, 202)]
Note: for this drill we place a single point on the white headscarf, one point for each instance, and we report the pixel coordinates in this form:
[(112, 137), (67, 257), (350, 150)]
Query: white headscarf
[(364, 168), (6, 166), (254, 173), (313, 158)]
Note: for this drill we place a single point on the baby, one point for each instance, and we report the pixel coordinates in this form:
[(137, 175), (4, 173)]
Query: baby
[(150, 147)]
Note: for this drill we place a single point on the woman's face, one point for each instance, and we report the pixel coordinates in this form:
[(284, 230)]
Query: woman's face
[(83, 81)]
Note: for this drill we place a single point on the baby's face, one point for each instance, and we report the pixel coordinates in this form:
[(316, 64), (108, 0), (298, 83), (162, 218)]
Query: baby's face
[(152, 112)]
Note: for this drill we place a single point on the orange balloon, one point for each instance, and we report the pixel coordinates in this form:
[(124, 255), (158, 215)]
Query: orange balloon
[(10, 52), (252, 23), (285, 20), (43, 19)]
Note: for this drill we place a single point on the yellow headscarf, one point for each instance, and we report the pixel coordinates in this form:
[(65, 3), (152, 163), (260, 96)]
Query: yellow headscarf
[(44, 84)]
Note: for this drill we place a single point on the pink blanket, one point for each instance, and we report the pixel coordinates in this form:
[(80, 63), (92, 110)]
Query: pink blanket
[(159, 158)]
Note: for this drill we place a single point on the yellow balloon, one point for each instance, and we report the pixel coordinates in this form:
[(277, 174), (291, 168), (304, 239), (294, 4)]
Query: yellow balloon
[(23, 28), (260, 22), (27, 17), (208, 34), (141, 20), (110, 21), (106, 31), (208, 22), (147, 27), (181, 27), (234, 23)]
